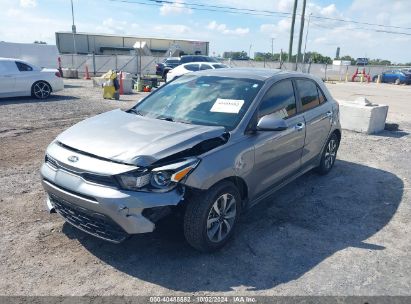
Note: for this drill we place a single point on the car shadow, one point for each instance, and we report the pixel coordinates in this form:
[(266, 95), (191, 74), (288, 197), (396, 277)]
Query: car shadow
[(277, 241), (392, 130), (28, 99)]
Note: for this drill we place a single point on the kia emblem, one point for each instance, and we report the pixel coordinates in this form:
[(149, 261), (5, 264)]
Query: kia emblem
[(73, 158)]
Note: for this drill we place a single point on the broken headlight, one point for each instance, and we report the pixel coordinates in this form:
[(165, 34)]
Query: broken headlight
[(159, 179)]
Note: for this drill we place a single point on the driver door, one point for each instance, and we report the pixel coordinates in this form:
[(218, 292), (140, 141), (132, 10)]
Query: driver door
[(278, 153)]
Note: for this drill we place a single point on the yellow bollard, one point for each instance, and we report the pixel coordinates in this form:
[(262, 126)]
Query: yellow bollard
[(346, 77), (362, 77)]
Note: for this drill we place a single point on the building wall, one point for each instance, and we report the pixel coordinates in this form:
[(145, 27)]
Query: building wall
[(89, 43), (41, 55)]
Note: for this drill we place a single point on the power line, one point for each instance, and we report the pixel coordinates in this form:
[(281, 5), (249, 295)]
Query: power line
[(255, 12), (362, 28)]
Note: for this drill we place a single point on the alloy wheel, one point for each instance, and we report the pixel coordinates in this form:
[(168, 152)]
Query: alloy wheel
[(221, 217), (41, 90), (330, 153)]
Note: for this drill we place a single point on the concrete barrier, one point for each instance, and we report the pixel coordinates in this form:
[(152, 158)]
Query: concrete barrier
[(361, 115)]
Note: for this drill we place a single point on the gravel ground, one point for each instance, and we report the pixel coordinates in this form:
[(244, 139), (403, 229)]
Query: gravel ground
[(344, 234)]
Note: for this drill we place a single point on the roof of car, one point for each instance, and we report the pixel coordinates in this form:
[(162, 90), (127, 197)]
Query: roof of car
[(250, 73), (9, 59)]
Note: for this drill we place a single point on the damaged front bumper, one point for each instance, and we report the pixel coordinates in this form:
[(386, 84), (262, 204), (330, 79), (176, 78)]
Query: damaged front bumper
[(108, 213)]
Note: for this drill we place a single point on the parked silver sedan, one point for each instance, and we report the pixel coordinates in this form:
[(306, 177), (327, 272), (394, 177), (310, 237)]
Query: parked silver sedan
[(207, 145)]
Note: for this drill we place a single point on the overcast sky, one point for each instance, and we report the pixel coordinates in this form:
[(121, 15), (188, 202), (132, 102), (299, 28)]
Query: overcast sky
[(29, 20)]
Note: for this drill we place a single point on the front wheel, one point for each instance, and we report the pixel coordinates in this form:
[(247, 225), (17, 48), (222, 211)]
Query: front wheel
[(41, 90), (210, 217), (329, 155)]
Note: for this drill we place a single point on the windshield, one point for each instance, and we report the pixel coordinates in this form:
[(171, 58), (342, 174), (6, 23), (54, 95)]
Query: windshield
[(202, 100)]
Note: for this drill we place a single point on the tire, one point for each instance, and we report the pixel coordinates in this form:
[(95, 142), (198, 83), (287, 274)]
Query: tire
[(165, 74), (329, 155), (204, 228), (41, 90), (397, 81)]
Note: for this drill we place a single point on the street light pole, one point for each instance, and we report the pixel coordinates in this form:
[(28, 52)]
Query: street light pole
[(73, 28)]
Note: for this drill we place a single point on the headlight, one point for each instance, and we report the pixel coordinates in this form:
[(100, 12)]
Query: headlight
[(160, 179)]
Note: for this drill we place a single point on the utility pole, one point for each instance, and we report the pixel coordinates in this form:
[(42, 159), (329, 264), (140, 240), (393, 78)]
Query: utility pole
[(272, 47), (290, 47), (73, 28), (306, 35), (249, 52), (300, 39)]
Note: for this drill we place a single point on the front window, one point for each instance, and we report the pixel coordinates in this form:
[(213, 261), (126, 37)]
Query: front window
[(279, 101), (202, 100)]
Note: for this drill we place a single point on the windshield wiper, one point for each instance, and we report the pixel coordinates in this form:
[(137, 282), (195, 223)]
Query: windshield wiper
[(137, 112), (162, 117)]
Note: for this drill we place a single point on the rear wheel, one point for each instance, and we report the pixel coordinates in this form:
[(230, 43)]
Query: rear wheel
[(397, 81), (41, 90), (329, 155), (210, 218)]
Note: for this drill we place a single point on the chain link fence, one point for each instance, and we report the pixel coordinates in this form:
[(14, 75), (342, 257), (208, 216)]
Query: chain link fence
[(100, 64)]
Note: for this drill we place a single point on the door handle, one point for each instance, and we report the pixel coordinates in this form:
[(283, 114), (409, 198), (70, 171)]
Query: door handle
[(299, 126), (329, 114), (8, 76)]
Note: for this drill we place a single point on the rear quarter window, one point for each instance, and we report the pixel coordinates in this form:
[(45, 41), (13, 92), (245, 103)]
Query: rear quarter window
[(23, 67)]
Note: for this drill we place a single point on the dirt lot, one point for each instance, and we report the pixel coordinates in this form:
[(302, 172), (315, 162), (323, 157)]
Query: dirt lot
[(345, 234)]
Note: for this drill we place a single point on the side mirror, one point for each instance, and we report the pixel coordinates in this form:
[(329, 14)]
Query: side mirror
[(270, 123)]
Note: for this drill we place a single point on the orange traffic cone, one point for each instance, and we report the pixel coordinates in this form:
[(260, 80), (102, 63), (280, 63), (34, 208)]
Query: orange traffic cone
[(87, 74)]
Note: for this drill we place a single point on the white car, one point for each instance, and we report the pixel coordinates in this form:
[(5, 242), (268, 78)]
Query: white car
[(192, 67), (19, 78)]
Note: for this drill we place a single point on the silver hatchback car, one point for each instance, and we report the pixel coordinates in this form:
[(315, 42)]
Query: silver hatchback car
[(207, 145)]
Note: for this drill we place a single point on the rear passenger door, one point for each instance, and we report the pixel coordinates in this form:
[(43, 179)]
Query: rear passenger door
[(25, 77), (278, 153), (8, 73), (317, 113)]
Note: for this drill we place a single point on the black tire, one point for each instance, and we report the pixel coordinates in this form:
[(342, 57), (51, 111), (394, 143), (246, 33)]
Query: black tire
[(327, 158), (165, 74), (41, 90), (197, 215)]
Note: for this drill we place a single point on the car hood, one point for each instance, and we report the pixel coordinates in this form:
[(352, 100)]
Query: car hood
[(134, 139)]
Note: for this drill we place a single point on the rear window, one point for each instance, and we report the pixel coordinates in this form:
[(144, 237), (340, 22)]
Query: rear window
[(23, 67), (172, 61)]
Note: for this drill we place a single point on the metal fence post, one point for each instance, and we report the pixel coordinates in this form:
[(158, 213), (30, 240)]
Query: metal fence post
[(94, 64)]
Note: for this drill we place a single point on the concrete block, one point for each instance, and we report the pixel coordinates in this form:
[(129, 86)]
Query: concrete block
[(361, 115)]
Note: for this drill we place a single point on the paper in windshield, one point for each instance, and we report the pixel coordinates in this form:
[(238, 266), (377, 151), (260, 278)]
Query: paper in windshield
[(227, 105)]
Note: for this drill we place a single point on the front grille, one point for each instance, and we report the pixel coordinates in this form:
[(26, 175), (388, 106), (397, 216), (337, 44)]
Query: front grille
[(105, 180), (94, 223)]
